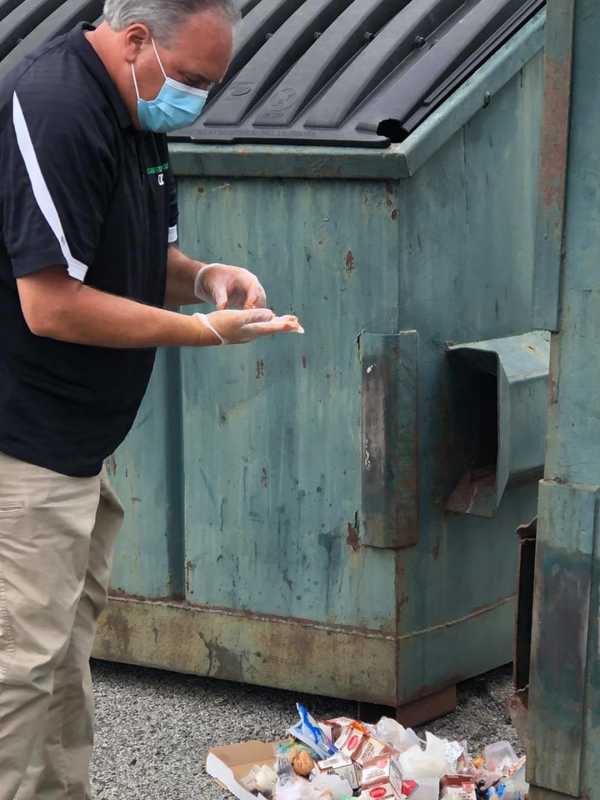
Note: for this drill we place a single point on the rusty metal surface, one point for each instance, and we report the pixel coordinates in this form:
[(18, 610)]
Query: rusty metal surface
[(322, 659), (553, 172), (267, 437), (390, 467), (565, 684), (427, 708), (561, 628)]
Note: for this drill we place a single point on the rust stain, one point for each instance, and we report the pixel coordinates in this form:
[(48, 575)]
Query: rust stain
[(395, 214), (389, 194), (349, 261), (353, 538), (201, 189), (557, 101), (235, 613), (264, 478), (260, 369), (304, 362)]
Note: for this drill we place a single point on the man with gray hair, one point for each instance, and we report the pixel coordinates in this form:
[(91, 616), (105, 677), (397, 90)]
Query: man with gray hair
[(88, 266)]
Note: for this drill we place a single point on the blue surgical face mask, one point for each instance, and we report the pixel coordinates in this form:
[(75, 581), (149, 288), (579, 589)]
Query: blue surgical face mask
[(175, 106)]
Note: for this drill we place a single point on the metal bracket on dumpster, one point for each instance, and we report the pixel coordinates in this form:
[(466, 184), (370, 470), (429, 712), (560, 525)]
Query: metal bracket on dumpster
[(389, 516), (498, 405)]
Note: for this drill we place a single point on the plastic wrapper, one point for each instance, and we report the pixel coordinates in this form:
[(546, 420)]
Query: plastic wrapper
[(500, 757), (433, 762), (330, 787), (341, 766), (395, 735), (261, 779), (294, 790), (308, 731), (513, 788), (427, 789), (458, 787)]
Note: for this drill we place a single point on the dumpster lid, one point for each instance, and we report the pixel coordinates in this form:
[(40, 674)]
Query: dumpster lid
[(364, 73), (360, 73)]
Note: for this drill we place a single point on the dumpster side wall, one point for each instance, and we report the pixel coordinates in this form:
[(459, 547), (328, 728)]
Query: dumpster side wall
[(248, 462)]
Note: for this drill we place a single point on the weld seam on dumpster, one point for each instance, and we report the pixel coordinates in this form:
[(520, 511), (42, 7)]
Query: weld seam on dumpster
[(459, 620), (343, 629), (369, 633)]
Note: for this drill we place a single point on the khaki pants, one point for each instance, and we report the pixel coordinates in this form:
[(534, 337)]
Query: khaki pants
[(56, 543)]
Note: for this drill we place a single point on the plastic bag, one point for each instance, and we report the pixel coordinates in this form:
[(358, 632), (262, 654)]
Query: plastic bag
[(294, 790), (261, 779), (397, 736), (330, 785), (500, 756), (515, 788), (436, 760), (308, 731)]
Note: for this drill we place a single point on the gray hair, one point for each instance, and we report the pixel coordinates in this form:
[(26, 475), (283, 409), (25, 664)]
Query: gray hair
[(163, 17)]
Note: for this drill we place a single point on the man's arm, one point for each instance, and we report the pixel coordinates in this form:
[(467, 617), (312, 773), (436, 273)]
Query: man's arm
[(181, 275), (57, 306), (221, 284)]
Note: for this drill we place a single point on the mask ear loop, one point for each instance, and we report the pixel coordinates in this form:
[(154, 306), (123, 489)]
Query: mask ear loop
[(135, 83), (162, 69)]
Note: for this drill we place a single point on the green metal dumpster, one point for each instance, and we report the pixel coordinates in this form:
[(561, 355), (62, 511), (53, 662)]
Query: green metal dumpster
[(335, 513)]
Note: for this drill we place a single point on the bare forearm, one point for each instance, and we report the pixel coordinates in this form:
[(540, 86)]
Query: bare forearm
[(181, 273), (84, 315)]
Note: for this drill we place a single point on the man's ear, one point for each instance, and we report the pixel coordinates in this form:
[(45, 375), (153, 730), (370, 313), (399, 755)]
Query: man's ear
[(136, 36)]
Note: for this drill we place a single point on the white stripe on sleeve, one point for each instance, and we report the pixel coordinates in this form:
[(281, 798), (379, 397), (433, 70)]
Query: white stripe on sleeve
[(172, 234), (75, 268)]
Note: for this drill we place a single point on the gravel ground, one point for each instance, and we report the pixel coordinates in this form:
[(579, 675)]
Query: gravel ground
[(153, 728)]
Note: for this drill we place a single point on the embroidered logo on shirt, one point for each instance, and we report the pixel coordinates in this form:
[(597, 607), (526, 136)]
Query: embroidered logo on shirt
[(158, 170)]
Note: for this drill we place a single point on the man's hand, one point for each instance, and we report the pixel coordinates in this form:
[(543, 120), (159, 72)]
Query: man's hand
[(229, 287), (239, 327)]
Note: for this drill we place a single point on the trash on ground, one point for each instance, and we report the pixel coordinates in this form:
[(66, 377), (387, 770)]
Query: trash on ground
[(342, 758)]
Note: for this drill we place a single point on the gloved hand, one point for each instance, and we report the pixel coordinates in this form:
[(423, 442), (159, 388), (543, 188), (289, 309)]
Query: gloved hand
[(239, 327), (229, 287)]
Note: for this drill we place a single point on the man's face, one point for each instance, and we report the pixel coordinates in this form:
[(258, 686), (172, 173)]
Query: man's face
[(198, 54)]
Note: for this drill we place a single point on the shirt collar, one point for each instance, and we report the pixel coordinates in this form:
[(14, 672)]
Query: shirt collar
[(92, 61)]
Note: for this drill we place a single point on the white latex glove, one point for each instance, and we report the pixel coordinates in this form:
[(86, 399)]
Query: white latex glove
[(229, 287), (239, 327)]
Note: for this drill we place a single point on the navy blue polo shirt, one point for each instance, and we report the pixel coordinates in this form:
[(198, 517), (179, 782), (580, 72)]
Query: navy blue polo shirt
[(81, 188)]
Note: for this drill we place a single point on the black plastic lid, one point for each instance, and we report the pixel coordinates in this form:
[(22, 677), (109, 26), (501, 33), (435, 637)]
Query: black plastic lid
[(363, 73), (359, 73)]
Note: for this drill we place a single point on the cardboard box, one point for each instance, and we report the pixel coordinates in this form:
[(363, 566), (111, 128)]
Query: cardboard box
[(233, 762)]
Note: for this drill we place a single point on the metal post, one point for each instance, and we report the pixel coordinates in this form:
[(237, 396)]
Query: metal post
[(564, 753)]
